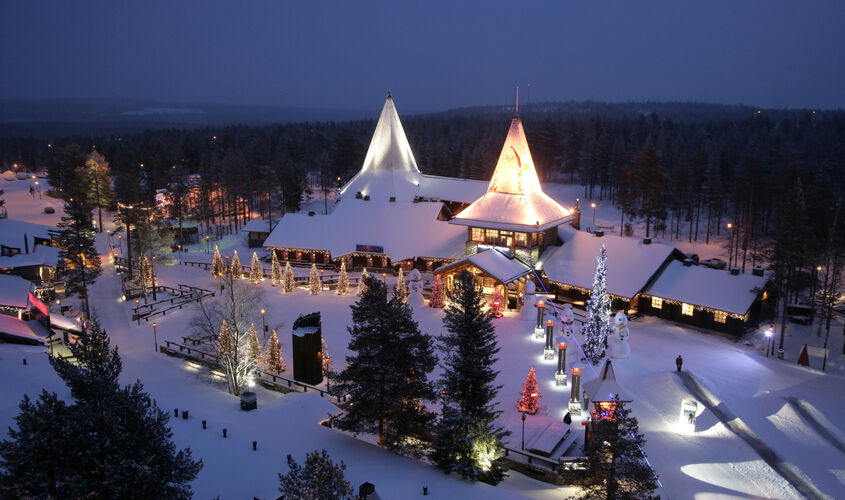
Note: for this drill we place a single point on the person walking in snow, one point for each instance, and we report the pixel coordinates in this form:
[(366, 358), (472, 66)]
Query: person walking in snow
[(679, 361)]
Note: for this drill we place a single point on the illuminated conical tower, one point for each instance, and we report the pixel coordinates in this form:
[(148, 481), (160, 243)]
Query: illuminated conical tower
[(514, 213)]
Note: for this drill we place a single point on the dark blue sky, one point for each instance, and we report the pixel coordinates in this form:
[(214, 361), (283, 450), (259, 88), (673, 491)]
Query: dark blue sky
[(433, 55)]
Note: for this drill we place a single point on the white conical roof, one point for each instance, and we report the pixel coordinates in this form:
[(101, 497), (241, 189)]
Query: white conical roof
[(605, 387), (389, 167), (514, 198)]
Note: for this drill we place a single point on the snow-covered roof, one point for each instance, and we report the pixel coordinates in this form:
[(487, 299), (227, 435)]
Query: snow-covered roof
[(451, 188), (630, 262), (258, 226), (389, 167), (514, 198), (30, 332), (705, 287), (39, 256), (14, 291), (12, 232), (605, 387), (404, 230), (494, 263)]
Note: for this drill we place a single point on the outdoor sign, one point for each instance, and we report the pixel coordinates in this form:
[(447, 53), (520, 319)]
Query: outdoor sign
[(689, 411), (41, 306), (369, 248)]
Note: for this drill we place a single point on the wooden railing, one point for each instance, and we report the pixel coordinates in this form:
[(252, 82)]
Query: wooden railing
[(181, 296)]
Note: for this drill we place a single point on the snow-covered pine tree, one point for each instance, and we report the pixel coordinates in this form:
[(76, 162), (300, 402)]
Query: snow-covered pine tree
[(616, 459), (315, 284), (318, 478), (387, 373), (288, 284), (597, 327), (218, 268), (236, 270), (437, 293), (401, 291), (274, 360), (226, 351), (468, 441), (256, 274), (276, 270), (529, 400), (362, 283), (253, 347), (343, 280), (145, 272)]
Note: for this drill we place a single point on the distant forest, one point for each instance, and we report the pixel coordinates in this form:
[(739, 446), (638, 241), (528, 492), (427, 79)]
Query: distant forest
[(684, 169)]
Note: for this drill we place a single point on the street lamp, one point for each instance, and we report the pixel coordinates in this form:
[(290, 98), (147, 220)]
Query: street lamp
[(326, 372), (263, 324), (730, 244), (523, 430), (593, 206), (538, 328), (769, 342), (155, 336)]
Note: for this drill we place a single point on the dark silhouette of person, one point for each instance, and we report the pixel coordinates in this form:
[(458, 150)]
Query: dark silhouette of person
[(679, 361)]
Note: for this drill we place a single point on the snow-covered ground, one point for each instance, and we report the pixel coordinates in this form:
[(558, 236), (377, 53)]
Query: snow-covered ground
[(712, 462)]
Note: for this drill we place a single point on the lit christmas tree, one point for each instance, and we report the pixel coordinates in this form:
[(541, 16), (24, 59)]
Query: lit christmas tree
[(253, 348), (146, 271), (343, 280), (256, 274), (437, 294), (597, 327), (401, 292), (218, 268), (315, 285), (362, 283), (235, 269), (324, 355), (276, 270), (288, 283), (497, 303), (274, 361), (529, 400), (225, 342)]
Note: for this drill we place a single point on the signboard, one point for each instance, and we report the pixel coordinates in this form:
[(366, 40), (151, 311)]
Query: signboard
[(818, 352), (41, 306), (369, 248), (686, 420)]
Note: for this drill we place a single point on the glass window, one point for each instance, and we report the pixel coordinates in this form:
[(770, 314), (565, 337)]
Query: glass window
[(506, 238), (720, 316), (656, 303), (686, 309), (520, 239), (491, 236), (477, 234), (533, 239)]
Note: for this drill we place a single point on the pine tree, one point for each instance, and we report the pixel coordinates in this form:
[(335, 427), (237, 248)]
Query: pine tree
[(94, 375), (315, 285), (529, 400), (253, 347), (319, 478), (218, 268), (276, 270), (235, 269), (362, 283), (145, 272), (387, 374), (289, 283), (597, 327), (256, 274), (468, 440), (616, 459), (437, 293), (227, 354), (401, 291), (94, 184), (82, 262), (275, 362), (343, 280)]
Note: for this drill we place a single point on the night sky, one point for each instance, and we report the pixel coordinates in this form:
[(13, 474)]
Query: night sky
[(432, 55)]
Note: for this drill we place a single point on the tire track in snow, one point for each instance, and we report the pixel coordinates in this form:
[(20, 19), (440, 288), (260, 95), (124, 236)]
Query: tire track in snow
[(786, 470), (800, 407)]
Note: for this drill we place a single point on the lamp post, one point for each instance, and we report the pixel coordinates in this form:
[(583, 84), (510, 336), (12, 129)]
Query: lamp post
[(263, 324), (523, 430), (155, 336), (326, 371), (593, 206), (769, 343), (538, 328), (549, 351), (560, 374), (730, 245)]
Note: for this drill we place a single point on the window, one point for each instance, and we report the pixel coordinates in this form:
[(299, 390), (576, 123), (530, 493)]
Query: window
[(720, 316), (506, 238), (686, 309), (656, 303), (477, 234), (491, 236), (520, 239)]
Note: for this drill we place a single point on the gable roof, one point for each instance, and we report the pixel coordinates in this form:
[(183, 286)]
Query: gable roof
[(494, 263), (389, 169), (13, 232), (514, 198), (605, 387), (705, 287)]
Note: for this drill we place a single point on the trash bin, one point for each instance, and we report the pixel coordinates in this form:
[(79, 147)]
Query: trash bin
[(249, 401)]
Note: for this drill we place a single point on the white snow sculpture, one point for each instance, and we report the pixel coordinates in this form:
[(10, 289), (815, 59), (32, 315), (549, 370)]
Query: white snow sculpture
[(529, 302), (620, 348), (567, 315), (415, 297)]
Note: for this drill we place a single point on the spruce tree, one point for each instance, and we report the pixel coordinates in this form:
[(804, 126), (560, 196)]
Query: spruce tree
[(387, 374), (529, 396), (235, 269), (315, 285), (617, 464), (82, 262), (343, 280), (289, 284), (318, 478), (468, 440), (274, 361), (94, 375), (597, 327), (276, 270), (253, 347), (218, 268), (437, 293), (362, 283), (256, 274), (401, 291), (94, 184)]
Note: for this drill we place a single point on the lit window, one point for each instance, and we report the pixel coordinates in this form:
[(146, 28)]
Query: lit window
[(477, 234), (686, 309), (656, 303), (720, 316), (521, 240), (491, 236)]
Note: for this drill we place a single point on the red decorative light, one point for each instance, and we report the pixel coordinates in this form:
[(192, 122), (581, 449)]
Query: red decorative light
[(550, 322), (562, 346), (541, 303), (576, 371)]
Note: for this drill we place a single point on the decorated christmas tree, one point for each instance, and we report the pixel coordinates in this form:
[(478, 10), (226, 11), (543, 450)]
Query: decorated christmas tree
[(343, 280), (276, 270), (256, 274), (253, 348), (225, 342), (497, 303), (274, 361), (401, 292), (436, 298), (597, 327), (315, 285), (287, 280), (145, 271), (235, 268), (218, 268), (324, 355), (529, 400), (362, 283)]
